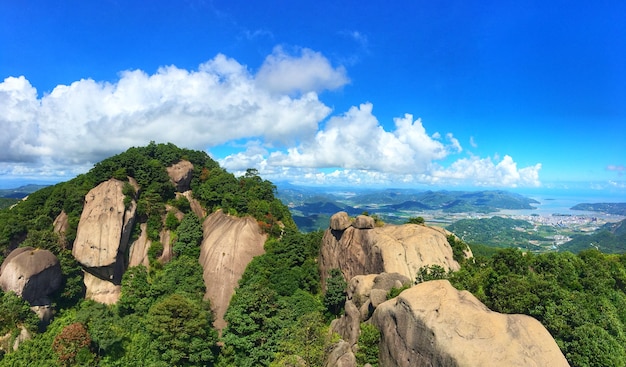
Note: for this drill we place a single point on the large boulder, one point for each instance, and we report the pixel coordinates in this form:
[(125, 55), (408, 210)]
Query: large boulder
[(104, 231), (433, 324), (101, 290), (180, 175), (32, 274), (361, 248), (228, 246)]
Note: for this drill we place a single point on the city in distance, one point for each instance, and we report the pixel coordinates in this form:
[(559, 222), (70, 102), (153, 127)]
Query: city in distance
[(539, 222)]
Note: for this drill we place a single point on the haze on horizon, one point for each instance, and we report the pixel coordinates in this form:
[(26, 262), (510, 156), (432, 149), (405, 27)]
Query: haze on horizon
[(496, 95)]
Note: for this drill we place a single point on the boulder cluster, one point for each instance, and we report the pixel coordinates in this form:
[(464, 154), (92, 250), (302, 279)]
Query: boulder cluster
[(427, 324)]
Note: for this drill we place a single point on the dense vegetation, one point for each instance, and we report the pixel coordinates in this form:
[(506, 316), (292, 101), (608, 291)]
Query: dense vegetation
[(496, 232)]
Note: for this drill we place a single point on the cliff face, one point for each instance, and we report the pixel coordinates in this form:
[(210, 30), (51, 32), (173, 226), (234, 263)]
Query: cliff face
[(358, 248), (228, 246), (103, 233), (433, 324)]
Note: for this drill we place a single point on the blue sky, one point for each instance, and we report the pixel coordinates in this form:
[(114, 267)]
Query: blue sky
[(422, 94)]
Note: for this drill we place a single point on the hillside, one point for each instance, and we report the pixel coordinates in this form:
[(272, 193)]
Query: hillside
[(610, 238), (608, 208), (159, 257), (498, 232)]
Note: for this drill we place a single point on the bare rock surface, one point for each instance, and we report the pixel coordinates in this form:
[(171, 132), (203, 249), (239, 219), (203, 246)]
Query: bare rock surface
[(104, 230), (433, 324), (228, 246), (341, 356), (32, 274), (100, 290), (340, 221), (196, 207), (60, 225), (180, 174), (138, 253), (362, 248)]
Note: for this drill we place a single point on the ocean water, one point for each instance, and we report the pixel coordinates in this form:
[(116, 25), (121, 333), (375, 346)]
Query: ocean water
[(561, 202)]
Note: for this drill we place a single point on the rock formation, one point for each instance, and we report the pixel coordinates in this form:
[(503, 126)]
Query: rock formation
[(358, 248), (138, 253), (61, 224), (196, 207), (228, 246), (180, 174), (433, 324), (32, 274), (104, 231)]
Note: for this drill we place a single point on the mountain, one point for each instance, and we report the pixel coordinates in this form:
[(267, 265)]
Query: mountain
[(20, 192), (607, 208), (159, 255), (311, 207)]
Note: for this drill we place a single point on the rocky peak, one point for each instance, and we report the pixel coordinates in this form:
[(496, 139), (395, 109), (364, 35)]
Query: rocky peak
[(180, 174), (358, 247), (104, 231)]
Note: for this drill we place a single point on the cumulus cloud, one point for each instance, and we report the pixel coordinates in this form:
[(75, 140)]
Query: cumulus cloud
[(308, 71), (275, 115), (88, 120), (356, 140)]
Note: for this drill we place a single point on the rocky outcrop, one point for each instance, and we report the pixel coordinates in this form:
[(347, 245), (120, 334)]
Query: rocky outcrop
[(228, 246), (32, 274), (138, 252), (104, 231), (196, 207), (358, 248), (101, 290), (180, 174), (60, 225), (433, 324), (364, 294), (341, 355)]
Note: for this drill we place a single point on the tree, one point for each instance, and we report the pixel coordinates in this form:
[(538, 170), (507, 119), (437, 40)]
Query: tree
[(181, 331), (416, 220), (368, 350), (189, 236), (72, 345), (335, 296)]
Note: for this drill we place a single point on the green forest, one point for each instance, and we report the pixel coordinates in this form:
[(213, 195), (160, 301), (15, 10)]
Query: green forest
[(279, 315)]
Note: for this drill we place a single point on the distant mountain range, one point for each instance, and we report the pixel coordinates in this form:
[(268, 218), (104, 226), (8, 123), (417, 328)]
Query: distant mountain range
[(312, 207), (20, 192)]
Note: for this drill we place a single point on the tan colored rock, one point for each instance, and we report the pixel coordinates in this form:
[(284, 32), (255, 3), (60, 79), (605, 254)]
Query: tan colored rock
[(228, 246), (180, 174), (100, 290), (340, 221), (364, 222), (61, 224), (196, 207), (33, 274), (104, 230), (433, 324), (341, 355), (138, 253), (402, 249)]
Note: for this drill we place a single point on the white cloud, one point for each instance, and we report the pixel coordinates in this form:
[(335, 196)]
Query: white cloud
[(88, 120), (310, 71), (64, 132)]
